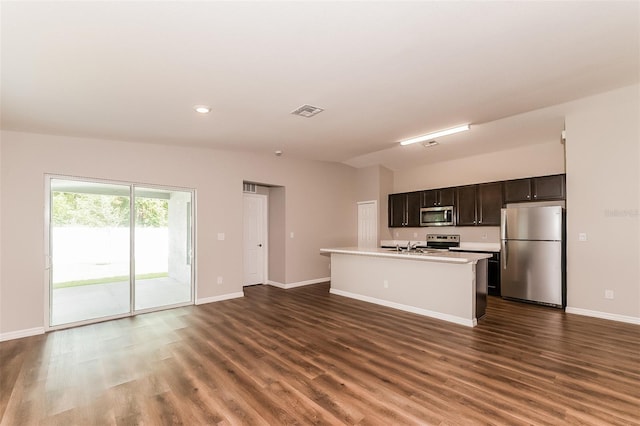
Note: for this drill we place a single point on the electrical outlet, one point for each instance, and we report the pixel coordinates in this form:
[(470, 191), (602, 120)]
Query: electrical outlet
[(291, 235), (608, 294), (385, 284), (397, 234), (220, 236), (484, 236), (219, 280), (415, 235), (582, 236)]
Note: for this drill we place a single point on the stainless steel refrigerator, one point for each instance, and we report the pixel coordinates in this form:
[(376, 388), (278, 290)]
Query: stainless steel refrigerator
[(533, 255)]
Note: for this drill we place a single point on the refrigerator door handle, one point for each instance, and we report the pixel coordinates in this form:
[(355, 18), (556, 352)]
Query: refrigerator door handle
[(503, 222), (505, 256)]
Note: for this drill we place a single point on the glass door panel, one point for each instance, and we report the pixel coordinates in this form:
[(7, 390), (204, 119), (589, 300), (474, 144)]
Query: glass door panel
[(89, 247), (162, 247)]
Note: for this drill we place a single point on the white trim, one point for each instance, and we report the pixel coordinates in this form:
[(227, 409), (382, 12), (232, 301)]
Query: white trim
[(602, 315), (299, 283), (219, 298), (21, 333), (407, 308)]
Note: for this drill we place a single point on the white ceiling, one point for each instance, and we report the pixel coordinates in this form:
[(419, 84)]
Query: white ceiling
[(383, 71)]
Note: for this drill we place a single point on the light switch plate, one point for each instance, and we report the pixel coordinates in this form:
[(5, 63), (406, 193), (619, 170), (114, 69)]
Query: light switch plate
[(582, 236), (220, 236)]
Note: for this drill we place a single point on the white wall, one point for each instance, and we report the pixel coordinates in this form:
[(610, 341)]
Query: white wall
[(532, 160), (603, 201), (319, 209)]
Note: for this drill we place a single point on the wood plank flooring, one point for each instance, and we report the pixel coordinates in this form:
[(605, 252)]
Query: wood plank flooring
[(303, 356)]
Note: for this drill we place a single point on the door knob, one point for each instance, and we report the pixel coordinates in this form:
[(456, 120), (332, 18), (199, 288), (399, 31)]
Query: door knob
[(259, 245)]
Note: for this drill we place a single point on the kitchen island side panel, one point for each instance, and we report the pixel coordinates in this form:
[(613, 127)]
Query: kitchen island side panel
[(444, 290)]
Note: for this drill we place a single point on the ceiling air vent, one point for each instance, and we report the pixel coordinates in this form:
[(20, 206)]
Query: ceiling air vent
[(251, 188), (429, 144), (307, 111)]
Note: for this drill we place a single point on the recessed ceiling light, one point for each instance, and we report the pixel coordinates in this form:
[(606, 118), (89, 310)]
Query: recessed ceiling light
[(436, 134), (202, 109)]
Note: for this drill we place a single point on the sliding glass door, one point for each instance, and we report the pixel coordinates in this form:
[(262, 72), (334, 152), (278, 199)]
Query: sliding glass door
[(162, 247), (95, 227)]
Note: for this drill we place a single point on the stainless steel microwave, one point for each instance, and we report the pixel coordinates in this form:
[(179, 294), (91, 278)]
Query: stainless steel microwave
[(437, 216)]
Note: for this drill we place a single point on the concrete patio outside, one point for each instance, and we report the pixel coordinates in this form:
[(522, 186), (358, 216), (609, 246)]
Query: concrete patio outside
[(86, 302)]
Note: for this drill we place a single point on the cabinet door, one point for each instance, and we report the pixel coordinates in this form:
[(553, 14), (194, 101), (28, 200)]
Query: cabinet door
[(466, 205), (489, 203), (447, 197), (430, 198), (397, 210), (414, 202), (517, 190), (549, 187)]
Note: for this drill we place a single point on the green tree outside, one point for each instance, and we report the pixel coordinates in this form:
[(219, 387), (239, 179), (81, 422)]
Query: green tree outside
[(97, 210)]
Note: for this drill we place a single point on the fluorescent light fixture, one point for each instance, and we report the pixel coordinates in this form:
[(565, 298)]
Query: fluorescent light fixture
[(202, 109), (435, 134)]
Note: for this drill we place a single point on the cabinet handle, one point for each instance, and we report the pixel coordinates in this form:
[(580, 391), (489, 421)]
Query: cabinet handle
[(535, 196), (528, 196)]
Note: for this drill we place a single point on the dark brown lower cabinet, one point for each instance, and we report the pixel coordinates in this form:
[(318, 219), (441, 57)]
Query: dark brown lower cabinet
[(493, 271)]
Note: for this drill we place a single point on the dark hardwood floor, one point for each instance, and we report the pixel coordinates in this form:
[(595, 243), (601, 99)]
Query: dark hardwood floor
[(303, 356)]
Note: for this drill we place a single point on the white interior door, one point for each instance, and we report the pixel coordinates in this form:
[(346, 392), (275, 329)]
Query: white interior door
[(255, 238), (367, 224)]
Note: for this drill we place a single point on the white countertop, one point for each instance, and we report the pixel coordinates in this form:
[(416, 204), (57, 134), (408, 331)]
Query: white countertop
[(441, 256)]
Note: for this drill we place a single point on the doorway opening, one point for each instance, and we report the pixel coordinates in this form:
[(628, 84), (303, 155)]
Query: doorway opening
[(116, 249)]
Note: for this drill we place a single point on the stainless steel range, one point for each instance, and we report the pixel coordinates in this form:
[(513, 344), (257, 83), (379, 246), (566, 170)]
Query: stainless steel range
[(442, 241)]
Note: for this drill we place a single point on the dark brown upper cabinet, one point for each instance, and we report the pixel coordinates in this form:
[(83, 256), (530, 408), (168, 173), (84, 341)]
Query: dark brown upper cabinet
[(479, 205), (489, 204), (475, 205), (540, 188), (517, 190), (549, 187), (466, 205), (439, 197), (404, 209)]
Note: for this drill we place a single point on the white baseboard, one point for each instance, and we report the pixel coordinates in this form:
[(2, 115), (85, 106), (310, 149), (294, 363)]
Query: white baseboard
[(219, 298), (21, 333), (602, 315), (299, 283), (407, 308)]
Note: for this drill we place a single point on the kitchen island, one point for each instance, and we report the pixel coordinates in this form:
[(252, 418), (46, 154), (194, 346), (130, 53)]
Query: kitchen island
[(450, 286)]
